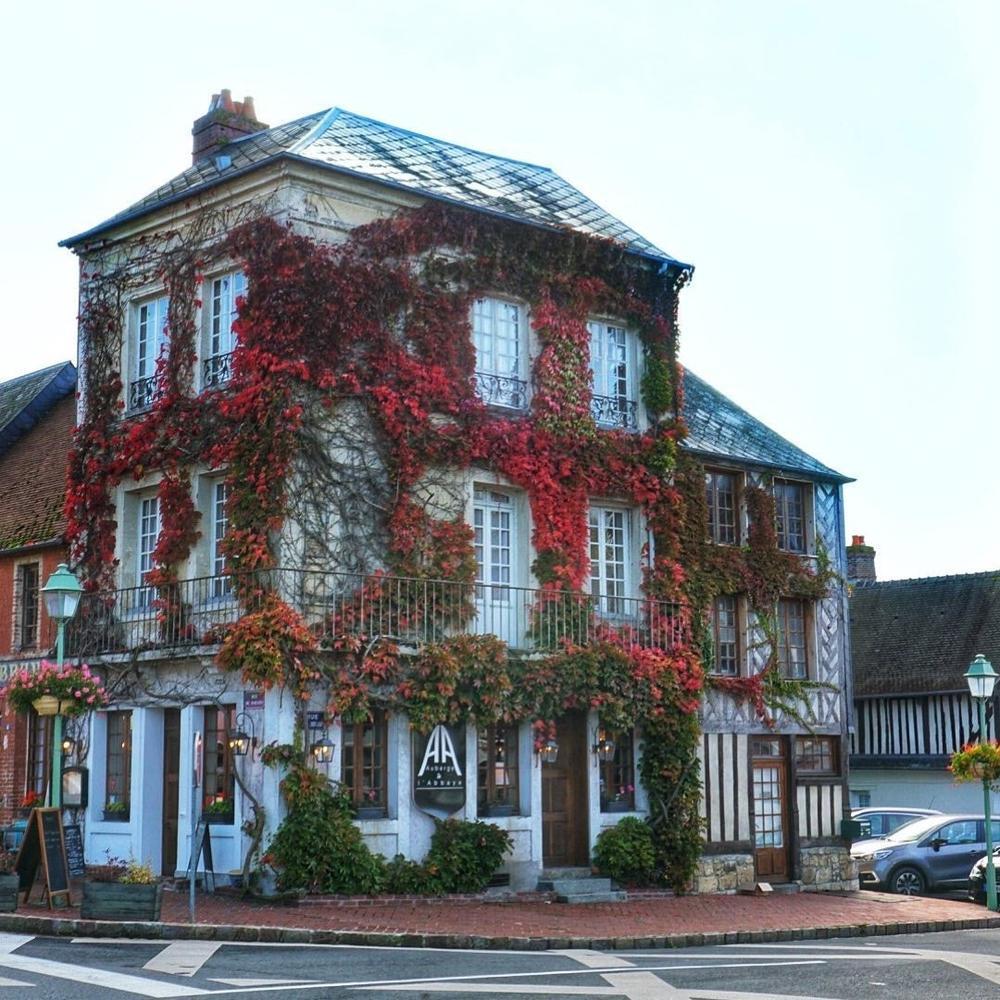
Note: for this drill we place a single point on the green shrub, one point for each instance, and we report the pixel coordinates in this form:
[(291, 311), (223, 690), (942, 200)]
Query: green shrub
[(625, 852), (464, 854), (408, 878), (318, 848)]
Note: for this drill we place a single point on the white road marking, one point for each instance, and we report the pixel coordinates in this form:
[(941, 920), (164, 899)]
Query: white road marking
[(13, 982), (260, 982), (97, 977), (593, 959), (11, 942), (644, 986), (496, 989), (183, 958)]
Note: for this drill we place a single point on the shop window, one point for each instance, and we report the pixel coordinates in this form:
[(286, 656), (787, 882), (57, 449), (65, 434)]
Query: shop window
[(498, 771), (39, 768), (363, 764), (118, 767), (618, 774), (218, 780)]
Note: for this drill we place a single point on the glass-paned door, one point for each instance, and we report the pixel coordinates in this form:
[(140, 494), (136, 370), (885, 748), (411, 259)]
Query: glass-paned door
[(770, 810), (495, 538), (498, 335), (149, 532), (608, 559)]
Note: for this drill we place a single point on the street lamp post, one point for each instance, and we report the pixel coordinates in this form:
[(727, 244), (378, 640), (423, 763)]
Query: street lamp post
[(62, 595), (981, 678)]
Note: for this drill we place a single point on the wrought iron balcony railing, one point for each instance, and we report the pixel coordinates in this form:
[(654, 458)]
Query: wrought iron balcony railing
[(502, 390), (614, 411), (217, 369), (337, 605), (143, 392)]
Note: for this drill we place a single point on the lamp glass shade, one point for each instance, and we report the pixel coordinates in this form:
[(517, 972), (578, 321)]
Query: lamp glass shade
[(68, 745), (322, 750), (62, 593), (239, 743), (549, 752), (981, 678), (605, 749)]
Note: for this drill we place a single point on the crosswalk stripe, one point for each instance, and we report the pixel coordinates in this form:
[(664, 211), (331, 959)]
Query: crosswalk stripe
[(182, 958), (97, 977), (13, 982)]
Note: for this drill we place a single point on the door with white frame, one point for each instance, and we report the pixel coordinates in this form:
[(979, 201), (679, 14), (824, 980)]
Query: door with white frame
[(501, 607), (609, 561)]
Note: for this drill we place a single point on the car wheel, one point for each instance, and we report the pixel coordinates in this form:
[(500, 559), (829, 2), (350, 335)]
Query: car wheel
[(908, 881)]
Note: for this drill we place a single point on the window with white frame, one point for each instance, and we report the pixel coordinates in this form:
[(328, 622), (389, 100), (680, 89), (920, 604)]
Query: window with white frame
[(494, 525), (609, 549), (613, 376), (149, 533), (499, 332), (222, 585), (149, 339), (224, 295)]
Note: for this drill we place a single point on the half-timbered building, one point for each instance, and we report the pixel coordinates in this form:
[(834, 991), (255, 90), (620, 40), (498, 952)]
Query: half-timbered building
[(773, 776), (912, 642)]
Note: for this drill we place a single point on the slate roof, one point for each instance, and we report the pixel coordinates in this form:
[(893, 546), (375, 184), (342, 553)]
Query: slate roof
[(718, 428), (23, 400), (918, 636), (353, 144)]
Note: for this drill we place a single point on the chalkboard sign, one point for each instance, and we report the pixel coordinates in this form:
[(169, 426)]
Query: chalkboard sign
[(43, 844), (74, 850), (202, 849)]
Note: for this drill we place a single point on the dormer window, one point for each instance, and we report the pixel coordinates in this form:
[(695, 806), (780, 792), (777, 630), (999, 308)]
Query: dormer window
[(224, 294), (149, 339), (499, 332), (612, 366)]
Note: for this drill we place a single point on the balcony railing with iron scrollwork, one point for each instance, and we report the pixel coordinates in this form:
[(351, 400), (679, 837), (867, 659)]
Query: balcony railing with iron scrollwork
[(502, 390), (334, 605), (143, 392), (615, 411), (217, 369)]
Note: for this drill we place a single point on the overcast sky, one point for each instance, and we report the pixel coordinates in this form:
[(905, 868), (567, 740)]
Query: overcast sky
[(830, 169)]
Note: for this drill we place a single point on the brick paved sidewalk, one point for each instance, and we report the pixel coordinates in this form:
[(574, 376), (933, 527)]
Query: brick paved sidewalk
[(535, 923)]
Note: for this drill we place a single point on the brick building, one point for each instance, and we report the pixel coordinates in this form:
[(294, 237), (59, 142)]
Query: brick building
[(37, 414)]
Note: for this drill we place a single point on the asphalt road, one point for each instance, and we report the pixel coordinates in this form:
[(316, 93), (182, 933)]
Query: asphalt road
[(959, 964)]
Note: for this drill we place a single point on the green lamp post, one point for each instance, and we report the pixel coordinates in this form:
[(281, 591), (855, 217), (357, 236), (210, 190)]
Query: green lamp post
[(981, 678), (62, 596)]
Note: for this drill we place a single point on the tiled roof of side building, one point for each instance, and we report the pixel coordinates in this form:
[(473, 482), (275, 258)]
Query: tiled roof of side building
[(23, 400), (918, 636), (718, 428), (364, 147)]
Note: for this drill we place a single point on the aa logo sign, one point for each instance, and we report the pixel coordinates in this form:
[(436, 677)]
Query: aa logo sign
[(439, 770)]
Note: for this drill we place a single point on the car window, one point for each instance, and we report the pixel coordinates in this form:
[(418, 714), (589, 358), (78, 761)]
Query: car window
[(876, 824), (893, 821), (995, 829), (960, 832), (915, 830)]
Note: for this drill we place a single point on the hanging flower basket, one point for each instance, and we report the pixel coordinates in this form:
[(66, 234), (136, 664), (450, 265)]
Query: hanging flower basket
[(51, 691), (977, 762)]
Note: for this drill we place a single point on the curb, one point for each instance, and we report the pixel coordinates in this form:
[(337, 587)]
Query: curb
[(68, 927)]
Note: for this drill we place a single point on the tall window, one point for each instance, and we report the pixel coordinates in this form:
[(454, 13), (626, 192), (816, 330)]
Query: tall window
[(790, 515), (225, 293), (498, 331), (218, 782), (36, 780), (614, 399), (720, 498), (793, 652), (149, 532), (609, 545), (150, 338), (222, 585), (617, 781), (498, 771), (118, 772), (493, 525), (26, 598), (363, 763), (726, 635)]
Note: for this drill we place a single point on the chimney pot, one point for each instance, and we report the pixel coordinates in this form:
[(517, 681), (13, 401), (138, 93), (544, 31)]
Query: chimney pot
[(860, 561), (227, 100)]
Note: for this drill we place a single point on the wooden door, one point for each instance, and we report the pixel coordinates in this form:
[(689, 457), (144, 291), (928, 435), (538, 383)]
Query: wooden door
[(770, 810), (171, 788), (565, 833)]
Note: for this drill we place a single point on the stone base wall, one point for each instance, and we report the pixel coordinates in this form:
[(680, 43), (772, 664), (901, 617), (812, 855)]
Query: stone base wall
[(828, 869), (723, 872)]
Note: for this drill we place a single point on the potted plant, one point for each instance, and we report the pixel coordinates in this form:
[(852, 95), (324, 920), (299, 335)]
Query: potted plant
[(977, 762), (121, 890), (30, 801), (9, 881), (622, 800), (116, 811), (218, 811), (368, 807), (50, 691)]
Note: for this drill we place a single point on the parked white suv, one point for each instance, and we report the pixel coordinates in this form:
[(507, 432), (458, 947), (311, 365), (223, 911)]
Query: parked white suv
[(880, 821)]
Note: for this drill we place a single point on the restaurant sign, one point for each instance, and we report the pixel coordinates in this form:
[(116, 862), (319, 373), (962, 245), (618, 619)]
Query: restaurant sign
[(8, 668), (439, 770)]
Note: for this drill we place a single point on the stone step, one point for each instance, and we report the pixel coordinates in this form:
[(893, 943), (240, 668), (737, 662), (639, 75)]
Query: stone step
[(572, 886), (593, 897), (552, 873)]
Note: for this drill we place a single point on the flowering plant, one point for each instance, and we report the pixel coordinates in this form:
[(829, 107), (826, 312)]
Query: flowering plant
[(76, 686), (30, 800), (977, 762)]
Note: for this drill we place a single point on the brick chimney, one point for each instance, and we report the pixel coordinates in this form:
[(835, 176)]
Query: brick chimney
[(860, 560), (226, 120)]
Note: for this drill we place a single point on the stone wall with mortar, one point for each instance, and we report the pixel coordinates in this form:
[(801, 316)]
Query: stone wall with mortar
[(828, 869), (723, 872)]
